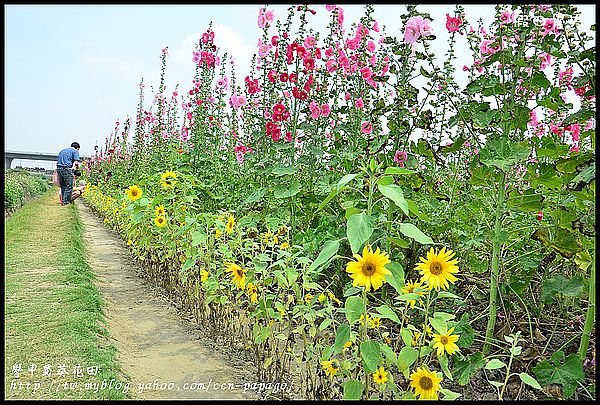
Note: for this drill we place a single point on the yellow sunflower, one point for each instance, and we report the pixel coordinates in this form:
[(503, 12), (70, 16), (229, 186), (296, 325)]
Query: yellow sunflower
[(416, 338), (167, 179), (427, 329), (437, 270), (370, 269), (426, 383), (446, 342), (308, 297), (252, 292), (238, 275), (217, 233), (410, 287), (160, 210), (374, 322), (129, 242), (380, 376), (331, 367), (160, 221), (334, 298), (284, 246), (230, 225), (203, 275), (134, 193)]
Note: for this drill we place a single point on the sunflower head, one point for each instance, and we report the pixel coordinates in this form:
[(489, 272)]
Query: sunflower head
[(426, 383), (160, 210), (203, 275), (438, 269), (380, 376), (134, 193), (369, 269), (160, 221), (167, 179), (446, 342), (331, 367), (230, 224), (238, 275)]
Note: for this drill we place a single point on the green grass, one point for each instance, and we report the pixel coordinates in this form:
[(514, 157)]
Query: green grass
[(53, 311)]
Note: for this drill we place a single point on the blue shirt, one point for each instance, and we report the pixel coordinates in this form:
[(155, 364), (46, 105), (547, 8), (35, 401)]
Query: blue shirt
[(67, 156)]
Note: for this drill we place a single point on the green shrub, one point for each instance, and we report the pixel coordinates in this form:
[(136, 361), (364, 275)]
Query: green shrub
[(19, 185)]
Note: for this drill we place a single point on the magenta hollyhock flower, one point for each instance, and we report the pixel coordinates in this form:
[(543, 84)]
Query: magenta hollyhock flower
[(588, 125), (353, 43), (375, 26), (366, 128), (550, 27), (486, 48), (546, 60), (325, 110), (340, 16), (575, 148), (400, 157), (452, 23), (329, 7), (359, 103)]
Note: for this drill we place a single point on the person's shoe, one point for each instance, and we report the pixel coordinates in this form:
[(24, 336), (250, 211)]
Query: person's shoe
[(60, 198)]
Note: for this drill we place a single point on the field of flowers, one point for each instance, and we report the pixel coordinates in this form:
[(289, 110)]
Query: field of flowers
[(358, 221)]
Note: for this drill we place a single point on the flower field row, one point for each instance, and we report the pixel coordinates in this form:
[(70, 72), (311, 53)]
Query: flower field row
[(353, 217)]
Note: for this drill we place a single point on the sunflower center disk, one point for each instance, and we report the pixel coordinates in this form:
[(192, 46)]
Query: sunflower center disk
[(435, 268), (368, 269), (444, 340), (426, 383)]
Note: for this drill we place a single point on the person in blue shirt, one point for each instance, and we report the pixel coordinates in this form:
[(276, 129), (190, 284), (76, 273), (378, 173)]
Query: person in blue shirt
[(67, 160)]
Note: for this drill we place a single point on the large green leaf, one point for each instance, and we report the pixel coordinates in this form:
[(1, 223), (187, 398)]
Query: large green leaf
[(555, 371), (339, 187), (354, 308), (558, 284), (370, 353), (386, 312), (396, 279), (466, 368), (330, 248), (415, 233), (284, 191), (503, 154), (342, 335), (359, 229), (353, 390), (394, 193)]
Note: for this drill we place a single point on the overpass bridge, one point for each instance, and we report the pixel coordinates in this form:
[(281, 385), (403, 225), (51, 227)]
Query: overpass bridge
[(51, 157)]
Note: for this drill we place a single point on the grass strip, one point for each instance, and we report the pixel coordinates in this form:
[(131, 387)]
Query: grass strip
[(55, 331)]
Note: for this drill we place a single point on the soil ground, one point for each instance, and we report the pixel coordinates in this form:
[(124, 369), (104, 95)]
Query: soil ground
[(163, 355)]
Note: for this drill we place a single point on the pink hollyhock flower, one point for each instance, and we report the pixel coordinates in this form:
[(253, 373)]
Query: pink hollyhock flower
[(566, 77), (269, 17), (359, 103), (507, 17), (452, 23), (347, 96), (315, 111), (400, 157), (330, 7), (288, 136), (375, 26), (223, 83), (588, 125), (465, 68), (340, 16), (353, 44), (331, 65), (550, 27), (575, 130), (310, 42), (574, 148), (366, 128), (546, 60), (486, 48), (325, 110), (371, 46), (416, 27)]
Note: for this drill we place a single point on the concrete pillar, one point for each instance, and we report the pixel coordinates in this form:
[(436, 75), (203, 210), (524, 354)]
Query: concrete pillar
[(7, 162)]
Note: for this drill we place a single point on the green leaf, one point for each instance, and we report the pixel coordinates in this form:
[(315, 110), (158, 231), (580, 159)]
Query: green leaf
[(388, 313), (443, 359), (503, 154), (447, 294), (558, 284), (189, 263), (567, 374), (330, 249), (406, 358), (396, 279), (370, 353), (353, 390), (256, 196), (398, 170), (359, 229), (494, 364), (342, 336), (529, 380), (415, 233), (449, 395), (467, 367), (284, 191), (394, 193), (198, 237), (355, 307), (389, 353), (439, 325), (340, 185), (283, 170)]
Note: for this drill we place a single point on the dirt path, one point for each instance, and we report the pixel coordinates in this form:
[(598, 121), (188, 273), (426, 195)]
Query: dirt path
[(160, 352)]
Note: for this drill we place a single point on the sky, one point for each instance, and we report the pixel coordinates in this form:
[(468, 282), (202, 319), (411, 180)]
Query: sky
[(72, 70)]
